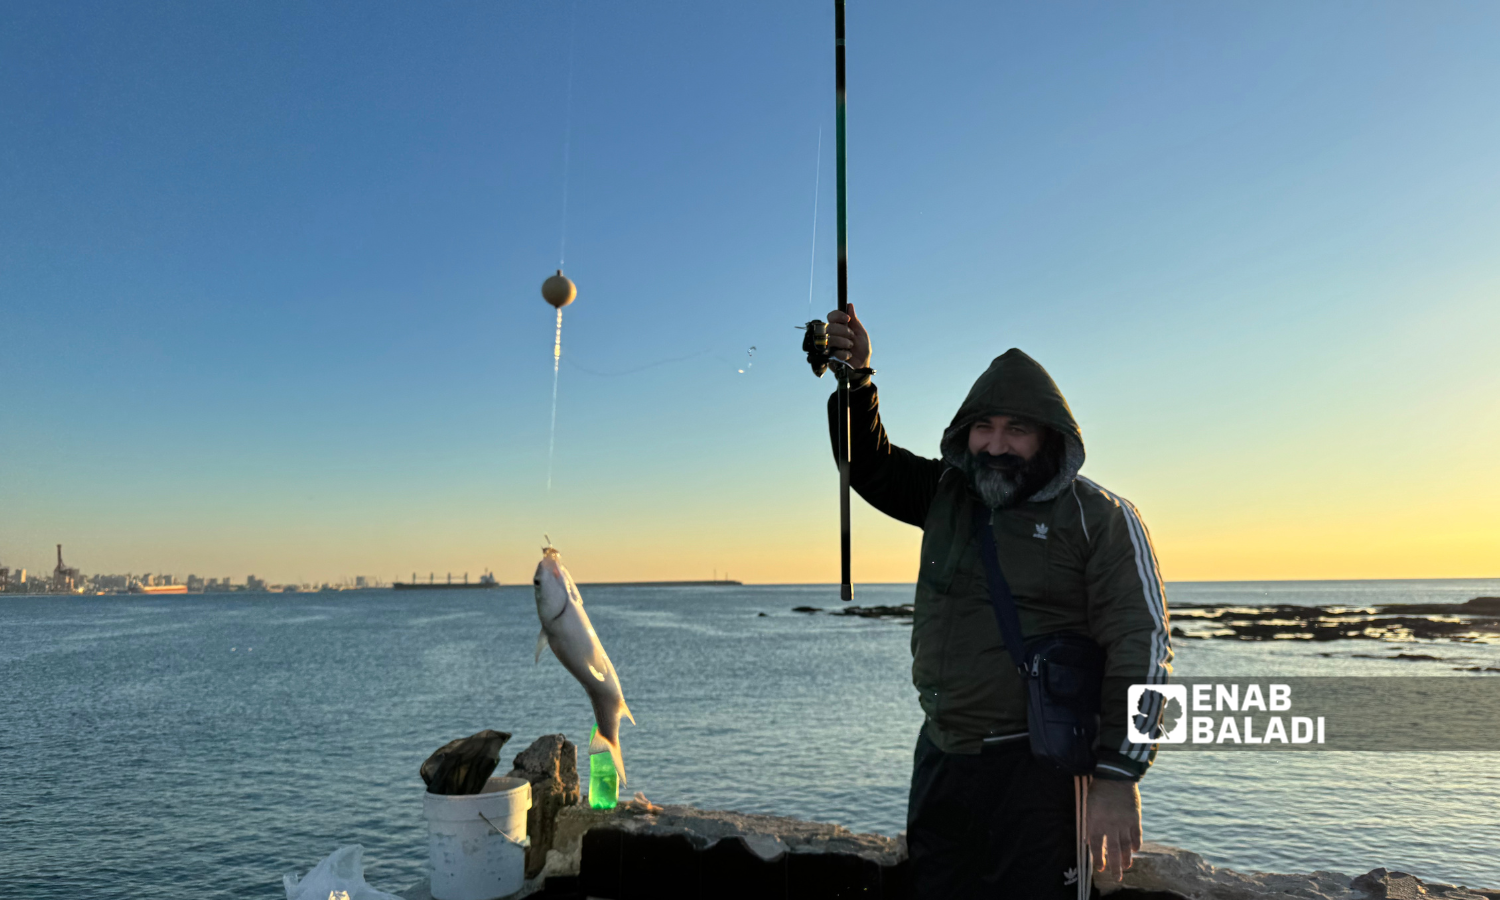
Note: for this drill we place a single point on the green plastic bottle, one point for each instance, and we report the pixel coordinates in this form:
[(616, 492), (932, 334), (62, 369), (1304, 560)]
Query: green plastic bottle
[(604, 782)]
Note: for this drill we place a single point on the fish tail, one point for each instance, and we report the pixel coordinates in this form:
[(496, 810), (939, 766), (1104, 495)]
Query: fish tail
[(601, 744)]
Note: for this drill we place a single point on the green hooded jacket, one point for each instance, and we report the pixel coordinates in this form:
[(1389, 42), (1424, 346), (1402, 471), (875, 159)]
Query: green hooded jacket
[(1077, 557)]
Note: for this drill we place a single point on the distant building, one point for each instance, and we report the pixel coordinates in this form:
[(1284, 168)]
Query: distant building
[(254, 584), (65, 579), (110, 582), (194, 584), (4, 579), (360, 581)]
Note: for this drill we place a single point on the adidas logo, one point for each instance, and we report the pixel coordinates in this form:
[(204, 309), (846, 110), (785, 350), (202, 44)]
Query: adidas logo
[(1041, 531), (1070, 876)]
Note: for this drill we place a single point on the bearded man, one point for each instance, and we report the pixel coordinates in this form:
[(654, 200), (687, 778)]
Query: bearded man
[(986, 818)]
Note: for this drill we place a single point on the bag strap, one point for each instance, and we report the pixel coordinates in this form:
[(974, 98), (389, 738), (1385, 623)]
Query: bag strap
[(1000, 597)]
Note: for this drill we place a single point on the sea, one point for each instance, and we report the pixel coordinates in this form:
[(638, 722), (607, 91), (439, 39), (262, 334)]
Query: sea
[(202, 746)]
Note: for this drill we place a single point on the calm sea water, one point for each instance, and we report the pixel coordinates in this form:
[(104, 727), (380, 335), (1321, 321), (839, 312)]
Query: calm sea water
[(201, 746)]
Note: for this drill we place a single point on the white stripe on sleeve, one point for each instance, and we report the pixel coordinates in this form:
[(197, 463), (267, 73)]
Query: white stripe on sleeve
[(1154, 594)]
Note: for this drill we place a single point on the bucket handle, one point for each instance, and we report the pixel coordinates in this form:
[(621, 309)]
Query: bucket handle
[(523, 843)]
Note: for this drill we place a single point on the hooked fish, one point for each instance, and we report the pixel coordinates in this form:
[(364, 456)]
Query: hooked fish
[(567, 631)]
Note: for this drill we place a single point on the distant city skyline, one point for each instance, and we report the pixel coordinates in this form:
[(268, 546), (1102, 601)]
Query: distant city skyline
[(209, 583), (123, 579), (66, 579), (271, 278)]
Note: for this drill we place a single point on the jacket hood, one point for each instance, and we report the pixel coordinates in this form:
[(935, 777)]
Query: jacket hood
[(1017, 385)]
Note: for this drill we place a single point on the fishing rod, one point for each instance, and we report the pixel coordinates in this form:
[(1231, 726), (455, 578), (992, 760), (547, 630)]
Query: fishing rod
[(846, 586), (815, 341)]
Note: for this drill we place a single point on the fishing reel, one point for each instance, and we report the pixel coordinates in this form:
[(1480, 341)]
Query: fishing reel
[(815, 345)]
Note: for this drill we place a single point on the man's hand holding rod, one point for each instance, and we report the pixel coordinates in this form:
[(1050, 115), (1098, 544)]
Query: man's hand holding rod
[(848, 339)]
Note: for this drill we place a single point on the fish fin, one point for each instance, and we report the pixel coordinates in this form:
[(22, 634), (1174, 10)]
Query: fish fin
[(600, 744), (541, 644), (625, 711)]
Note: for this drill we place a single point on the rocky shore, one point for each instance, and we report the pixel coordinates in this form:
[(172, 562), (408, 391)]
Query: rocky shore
[(1165, 872), (641, 850), (679, 851), (1477, 620), (901, 611)]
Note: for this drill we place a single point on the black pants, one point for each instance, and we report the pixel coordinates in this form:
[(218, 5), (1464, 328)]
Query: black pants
[(990, 825)]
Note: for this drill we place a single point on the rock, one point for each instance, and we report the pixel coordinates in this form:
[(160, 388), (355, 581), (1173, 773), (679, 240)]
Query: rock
[(1159, 868), (702, 828), (1483, 605), (551, 765), (767, 838), (806, 609), (463, 766), (1388, 622), (904, 611), (679, 847), (1379, 884), (681, 851)]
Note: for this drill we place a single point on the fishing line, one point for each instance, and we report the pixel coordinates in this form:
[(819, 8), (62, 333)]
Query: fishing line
[(817, 183), (742, 368), (651, 365), (556, 358), (562, 243)]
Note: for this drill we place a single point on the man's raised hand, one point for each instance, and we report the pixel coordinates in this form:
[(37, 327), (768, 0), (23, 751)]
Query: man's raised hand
[(848, 339)]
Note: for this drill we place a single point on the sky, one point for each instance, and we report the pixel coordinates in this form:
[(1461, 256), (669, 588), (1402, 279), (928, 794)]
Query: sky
[(269, 278)]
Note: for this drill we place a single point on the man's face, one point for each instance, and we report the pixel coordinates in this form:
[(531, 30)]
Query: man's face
[(1004, 463), (1005, 435)]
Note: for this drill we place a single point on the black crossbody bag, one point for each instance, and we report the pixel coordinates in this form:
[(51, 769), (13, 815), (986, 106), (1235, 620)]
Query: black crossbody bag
[(1063, 671)]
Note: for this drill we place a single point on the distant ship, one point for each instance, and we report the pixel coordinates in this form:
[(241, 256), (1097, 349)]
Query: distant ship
[(158, 589), (486, 580)]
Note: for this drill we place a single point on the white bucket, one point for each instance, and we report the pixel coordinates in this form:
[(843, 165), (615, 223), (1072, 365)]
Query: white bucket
[(478, 841)]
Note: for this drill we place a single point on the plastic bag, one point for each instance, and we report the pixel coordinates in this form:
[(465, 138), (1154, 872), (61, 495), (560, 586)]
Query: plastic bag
[(339, 877)]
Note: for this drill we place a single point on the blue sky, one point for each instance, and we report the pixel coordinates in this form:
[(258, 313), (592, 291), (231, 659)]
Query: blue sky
[(270, 275)]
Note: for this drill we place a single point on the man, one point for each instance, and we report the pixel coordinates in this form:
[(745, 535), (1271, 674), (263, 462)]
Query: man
[(986, 818)]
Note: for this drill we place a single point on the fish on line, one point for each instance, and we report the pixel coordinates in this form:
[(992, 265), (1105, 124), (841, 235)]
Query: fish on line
[(568, 633)]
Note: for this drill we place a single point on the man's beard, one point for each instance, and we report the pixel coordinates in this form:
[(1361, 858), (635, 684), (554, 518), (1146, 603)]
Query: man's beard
[(1007, 479)]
